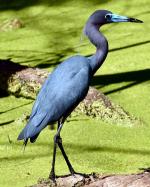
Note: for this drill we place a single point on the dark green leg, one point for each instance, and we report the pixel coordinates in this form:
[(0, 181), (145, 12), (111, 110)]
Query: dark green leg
[(65, 156), (58, 140), (52, 175)]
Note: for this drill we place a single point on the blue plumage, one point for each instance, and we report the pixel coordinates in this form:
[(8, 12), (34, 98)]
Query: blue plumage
[(68, 84), (62, 91)]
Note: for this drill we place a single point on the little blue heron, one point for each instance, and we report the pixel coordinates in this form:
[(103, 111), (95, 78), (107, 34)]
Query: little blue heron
[(68, 85)]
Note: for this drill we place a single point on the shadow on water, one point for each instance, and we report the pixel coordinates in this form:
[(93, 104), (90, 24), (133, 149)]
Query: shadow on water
[(16, 4), (15, 107), (3, 93), (20, 4), (133, 77), (47, 64), (77, 149), (56, 58), (129, 46), (7, 69), (88, 148), (137, 76), (6, 123), (23, 156)]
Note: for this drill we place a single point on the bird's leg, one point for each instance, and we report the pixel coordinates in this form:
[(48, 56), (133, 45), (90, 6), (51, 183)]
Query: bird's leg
[(52, 173), (65, 156), (72, 171), (59, 142), (56, 138)]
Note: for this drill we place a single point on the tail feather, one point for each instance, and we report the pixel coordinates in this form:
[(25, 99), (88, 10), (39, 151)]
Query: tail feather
[(33, 138), (24, 144), (29, 131), (22, 135), (33, 128)]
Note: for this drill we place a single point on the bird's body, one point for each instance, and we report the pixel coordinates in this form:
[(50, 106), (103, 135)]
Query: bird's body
[(62, 91), (68, 84)]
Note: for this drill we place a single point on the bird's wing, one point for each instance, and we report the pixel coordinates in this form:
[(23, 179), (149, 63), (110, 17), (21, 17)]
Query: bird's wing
[(67, 85)]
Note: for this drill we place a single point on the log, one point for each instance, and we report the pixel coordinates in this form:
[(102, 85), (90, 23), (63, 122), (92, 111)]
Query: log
[(98, 180), (23, 81)]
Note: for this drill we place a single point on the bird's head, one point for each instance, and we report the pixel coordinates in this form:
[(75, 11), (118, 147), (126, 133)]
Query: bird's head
[(101, 17)]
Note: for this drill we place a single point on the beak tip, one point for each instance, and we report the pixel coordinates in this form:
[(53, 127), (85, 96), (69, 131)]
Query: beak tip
[(139, 21), (135, 20)]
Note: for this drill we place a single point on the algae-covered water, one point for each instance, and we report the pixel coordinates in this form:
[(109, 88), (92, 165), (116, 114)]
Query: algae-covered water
[(51, 32)]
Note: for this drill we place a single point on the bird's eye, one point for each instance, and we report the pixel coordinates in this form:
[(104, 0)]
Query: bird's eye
[(108, 16)]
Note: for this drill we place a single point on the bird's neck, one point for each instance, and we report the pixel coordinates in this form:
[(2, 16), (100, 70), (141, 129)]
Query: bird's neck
[(101, 44)]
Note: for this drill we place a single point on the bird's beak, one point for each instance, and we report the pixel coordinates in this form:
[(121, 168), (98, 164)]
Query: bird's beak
[(117, 18)]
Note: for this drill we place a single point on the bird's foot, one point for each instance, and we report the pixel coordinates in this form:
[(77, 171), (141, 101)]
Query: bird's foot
[(145, 169), (78, 173), (52, 176)]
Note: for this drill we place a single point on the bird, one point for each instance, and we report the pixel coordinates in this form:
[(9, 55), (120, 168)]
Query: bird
[(68, 85)]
